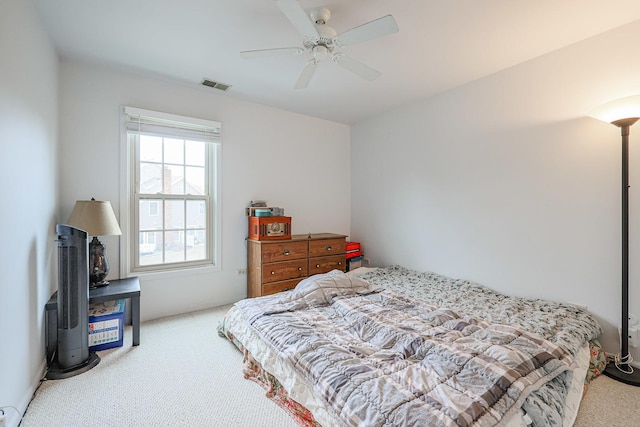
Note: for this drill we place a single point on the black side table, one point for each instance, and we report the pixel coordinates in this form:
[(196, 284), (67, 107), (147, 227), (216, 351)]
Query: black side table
[(117, 289)]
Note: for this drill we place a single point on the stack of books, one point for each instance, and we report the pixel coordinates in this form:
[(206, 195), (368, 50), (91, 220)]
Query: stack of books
[(354, 255), (260, 208)]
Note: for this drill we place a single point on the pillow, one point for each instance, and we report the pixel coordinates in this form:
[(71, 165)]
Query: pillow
[(314, 291), (321, 289), (360, 271)]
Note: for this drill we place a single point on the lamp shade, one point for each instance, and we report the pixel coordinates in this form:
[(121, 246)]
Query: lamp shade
[(619, 109), (95, 217)]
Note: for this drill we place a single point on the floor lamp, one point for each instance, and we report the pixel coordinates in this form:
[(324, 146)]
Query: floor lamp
[(623, 112)]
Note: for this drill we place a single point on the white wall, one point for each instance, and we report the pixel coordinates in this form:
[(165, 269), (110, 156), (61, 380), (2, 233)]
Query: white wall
[(503, 181), (28, 198), (506, 182), (292, 161)]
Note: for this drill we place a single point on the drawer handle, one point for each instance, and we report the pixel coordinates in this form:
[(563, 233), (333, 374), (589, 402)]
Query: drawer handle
[(328, 248), (286, 252), (339, 262), (299, 268), (317, 265), (273, 272)]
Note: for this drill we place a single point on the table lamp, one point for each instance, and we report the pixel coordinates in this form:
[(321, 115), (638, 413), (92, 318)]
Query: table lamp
[(97, 219)]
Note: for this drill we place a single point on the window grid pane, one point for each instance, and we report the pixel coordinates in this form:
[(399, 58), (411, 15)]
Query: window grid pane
[(166, 237), (173, 202)]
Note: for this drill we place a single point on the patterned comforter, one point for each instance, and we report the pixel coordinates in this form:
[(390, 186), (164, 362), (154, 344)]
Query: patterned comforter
[(440, 353), (563, 324)]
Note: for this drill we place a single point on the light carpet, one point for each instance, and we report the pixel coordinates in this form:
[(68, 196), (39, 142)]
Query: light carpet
[(184, 374), (181, 374), (609, 403)]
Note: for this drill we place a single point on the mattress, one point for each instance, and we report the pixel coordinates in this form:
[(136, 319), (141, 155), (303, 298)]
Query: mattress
[(565, 399)]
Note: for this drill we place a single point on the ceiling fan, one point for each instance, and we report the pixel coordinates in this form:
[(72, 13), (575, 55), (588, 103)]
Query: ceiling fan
[(320, 40)]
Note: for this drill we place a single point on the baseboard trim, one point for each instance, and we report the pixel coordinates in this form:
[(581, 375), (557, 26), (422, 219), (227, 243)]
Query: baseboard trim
[(13, 418)]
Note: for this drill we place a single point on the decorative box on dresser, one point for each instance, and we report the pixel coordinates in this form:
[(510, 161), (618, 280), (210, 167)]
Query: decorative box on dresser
[(278, 265)]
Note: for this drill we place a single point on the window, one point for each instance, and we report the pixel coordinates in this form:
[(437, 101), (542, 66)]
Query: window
[(153, 208), (173, 185)]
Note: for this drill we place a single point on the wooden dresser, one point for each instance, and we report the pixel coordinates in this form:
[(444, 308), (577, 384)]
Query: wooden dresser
[(278, 265)]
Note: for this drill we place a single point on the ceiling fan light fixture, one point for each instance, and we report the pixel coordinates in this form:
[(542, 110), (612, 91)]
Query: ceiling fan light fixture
[(320, 52)]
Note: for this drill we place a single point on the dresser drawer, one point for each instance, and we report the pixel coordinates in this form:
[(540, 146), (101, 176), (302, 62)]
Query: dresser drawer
[(275, 287), (277, 271), (277, 265), (326, 263), (327, 247), (284, 251)]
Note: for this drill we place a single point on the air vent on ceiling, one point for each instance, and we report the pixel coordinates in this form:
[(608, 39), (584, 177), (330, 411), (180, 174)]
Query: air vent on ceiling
[(215, 85)]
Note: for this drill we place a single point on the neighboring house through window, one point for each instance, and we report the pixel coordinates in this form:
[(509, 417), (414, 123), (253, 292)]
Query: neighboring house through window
[(172, 191)]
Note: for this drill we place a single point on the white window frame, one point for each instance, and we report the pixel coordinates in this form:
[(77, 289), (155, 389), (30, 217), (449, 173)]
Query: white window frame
[(130, 240)]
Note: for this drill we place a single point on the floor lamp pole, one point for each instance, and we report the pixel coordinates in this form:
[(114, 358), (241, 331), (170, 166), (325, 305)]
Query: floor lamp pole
[(624, 130), (622, 370)]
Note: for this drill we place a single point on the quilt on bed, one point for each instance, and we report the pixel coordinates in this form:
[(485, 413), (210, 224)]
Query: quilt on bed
[(381, 358), (563, 324)]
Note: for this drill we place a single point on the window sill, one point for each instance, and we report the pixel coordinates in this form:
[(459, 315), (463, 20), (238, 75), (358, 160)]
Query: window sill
[(176, 272)]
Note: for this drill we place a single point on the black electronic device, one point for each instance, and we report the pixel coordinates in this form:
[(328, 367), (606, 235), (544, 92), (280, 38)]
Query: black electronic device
[(72, 354)]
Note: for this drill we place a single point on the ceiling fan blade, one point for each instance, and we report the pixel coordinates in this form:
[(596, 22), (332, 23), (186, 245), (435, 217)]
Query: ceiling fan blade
[(356, 67), (262, 53), (371, 30), (305, 76), (299, 18)]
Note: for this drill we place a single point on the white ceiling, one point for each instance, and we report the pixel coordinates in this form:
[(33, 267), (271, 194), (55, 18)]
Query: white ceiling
[(442, 44)]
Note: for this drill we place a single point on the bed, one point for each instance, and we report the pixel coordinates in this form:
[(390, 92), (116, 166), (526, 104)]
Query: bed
[(393, 346)]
